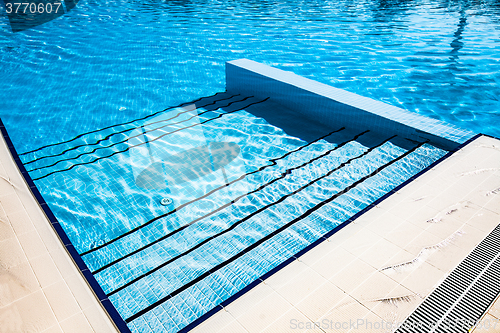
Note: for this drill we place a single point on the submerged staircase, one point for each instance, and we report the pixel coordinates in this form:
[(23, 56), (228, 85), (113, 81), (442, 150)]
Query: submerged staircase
[(166, 267)]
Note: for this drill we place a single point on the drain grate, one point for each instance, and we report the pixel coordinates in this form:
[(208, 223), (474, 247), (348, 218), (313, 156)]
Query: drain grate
[(460, 301)]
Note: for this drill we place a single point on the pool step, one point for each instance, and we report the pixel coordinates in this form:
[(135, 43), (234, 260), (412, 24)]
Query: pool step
[(296, 162), (91, 137), (266, 249), (182, 261), (119, 142)]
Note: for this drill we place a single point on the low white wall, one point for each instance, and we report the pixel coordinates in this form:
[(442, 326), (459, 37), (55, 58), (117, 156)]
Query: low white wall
[(335, 107)]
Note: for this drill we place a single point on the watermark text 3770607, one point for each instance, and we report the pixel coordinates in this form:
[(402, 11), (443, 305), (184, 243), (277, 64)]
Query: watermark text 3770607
[(25, 14)]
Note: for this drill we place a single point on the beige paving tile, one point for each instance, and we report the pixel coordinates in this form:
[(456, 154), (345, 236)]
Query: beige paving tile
[(340, 318), (16, 282), (64, 263), (3, 214), (6, 187), (98, 319), (345, 233), (455, 194), (380, 253), (32, 244), (410, 202), (422, 215), (9, 169), (292, 321), (21, 222), (484, 220), (478, 151), (32, 313), (11, 253), (31, 208), (371, 323), (488, 324), (76, 324), (465, 210), (319, 301), (424, 194), (10, 319), (447, 258), (396, 307), (54, 329), (460, 172), (300, 285), (45, 270), (470, 238), (83, 295), (216, 323), (49, 237), (332, 263), (6, 231), (282, 278), (398, 264), (385, 224), (360, 241), (317, 253), (445, 228), (423, 279), (486, 191), (377, 286), (61, 300), (249, 299), (353, 275), (234, 327), (375, 213), (263, 313), (363, 220), (11, 203), (403, 234), (495, 309), (494, 203), (422, 241)]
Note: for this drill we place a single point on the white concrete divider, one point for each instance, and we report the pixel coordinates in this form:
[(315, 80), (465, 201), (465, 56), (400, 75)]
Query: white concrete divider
[(333, 106)]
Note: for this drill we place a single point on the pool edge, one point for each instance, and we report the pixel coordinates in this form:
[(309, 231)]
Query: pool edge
[(99, 294)]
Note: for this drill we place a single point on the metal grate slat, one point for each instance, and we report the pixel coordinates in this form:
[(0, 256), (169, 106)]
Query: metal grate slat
[(464, 296)]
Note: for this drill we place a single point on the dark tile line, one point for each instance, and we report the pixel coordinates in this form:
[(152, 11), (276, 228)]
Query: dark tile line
[(120, 132), (159, 137), (126, 123), (131, 137), (82, 267)]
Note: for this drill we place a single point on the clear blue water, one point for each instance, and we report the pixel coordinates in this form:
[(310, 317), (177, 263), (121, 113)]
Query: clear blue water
[(107, 63), (239, 212)]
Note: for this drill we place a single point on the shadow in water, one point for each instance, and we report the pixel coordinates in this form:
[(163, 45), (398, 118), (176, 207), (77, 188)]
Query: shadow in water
[(457, 43), (309, 129)]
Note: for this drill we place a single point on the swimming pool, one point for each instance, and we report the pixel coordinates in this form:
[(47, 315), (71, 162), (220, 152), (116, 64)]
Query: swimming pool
[(254, 198), (166, 254)]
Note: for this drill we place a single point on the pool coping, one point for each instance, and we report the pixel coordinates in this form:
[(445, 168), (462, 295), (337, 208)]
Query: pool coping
[(65, 241)]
